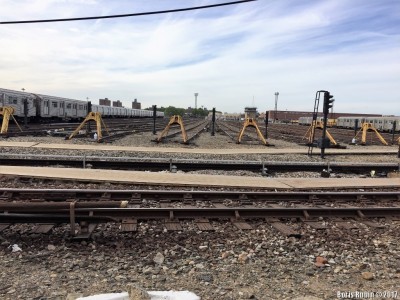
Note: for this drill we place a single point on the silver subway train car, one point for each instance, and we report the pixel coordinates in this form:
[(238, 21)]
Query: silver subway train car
[(43, 107), (380, 123)]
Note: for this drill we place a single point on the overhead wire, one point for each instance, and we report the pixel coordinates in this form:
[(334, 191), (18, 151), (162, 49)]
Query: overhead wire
[(127, 15)]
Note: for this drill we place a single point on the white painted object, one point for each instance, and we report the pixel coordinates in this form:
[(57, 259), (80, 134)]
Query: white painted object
[(15, 248), (155, 295), (111, 296)]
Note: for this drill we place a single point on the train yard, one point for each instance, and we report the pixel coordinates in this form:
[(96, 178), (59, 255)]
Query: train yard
[(263, 168), (174, 213)]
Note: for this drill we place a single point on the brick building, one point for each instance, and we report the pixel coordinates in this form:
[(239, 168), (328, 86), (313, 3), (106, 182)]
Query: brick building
[(117, 103), (105, 102), (136, 104), (286, 115)]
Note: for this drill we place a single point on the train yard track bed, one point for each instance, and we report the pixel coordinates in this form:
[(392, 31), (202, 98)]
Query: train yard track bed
[(163, 164), (273, 257), (224, 237), (182, 179), (100, 206)]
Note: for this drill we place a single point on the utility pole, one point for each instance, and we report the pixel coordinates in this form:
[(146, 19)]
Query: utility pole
[(276, 106), (195, 102)]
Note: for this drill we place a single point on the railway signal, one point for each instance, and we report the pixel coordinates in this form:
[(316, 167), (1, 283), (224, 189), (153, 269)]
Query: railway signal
[(328, 102)]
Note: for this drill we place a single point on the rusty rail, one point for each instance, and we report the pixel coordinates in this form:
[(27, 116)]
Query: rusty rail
[(136, 196), (100, 215)]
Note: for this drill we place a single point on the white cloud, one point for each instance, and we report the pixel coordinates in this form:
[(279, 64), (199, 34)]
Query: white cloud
[(227, 54)]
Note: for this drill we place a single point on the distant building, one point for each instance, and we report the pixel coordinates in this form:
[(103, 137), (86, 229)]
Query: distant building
[(231, 117), (105, 102), (218, 115), (136, 105), (117, 103), (250, 112), (285, 115)]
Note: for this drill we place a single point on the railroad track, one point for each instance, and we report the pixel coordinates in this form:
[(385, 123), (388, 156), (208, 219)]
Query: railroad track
[(137, 196), (88, 208), (161, 164), (296, 133), (63, 129), (193, 129), (232, 130)]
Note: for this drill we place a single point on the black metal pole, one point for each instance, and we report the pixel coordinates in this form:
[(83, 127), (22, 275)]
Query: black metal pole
[(266, 124), (325, 111), (154, 118), (398, 152), (355, 126), (213, 122), (393, 131), (89, 110), (26, 112), (324, 136)]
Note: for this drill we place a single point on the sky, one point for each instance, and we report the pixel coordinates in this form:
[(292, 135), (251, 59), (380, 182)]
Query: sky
[(232, 56)]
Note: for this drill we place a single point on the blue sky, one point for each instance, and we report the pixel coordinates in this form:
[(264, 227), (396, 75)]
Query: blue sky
[(229, 55)]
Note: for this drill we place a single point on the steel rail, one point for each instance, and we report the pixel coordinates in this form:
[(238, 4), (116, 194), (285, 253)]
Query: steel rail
[(189, 127), (45, 206), (11, 194), (228, 129), (159, 164), (99, 215)]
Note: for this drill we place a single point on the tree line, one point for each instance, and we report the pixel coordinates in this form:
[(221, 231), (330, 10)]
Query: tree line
[(172, 110)]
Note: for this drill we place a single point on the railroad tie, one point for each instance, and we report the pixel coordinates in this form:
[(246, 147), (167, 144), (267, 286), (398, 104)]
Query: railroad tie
[(315, 224), (372, 224), (43, 228), (204, 224), (345, 224), (283, 228), (129, 225), (239, 223), (4, 226), (86, 231), (172, 224)]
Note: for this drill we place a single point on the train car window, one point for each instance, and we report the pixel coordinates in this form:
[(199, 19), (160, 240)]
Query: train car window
[(80, 106), (74, 106), (12, 100), (69, 106), (54, 104)]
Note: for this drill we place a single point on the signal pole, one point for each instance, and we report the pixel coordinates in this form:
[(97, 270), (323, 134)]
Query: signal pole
[(276, 106), (328, 103)]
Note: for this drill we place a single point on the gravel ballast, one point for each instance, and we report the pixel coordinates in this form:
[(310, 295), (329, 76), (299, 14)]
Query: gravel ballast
[(225, 264)]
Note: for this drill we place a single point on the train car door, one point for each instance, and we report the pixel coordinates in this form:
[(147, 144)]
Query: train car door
[(62, 108), (74, 109), (45, 107)]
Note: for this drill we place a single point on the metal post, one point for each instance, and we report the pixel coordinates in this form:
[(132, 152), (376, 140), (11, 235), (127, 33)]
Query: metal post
[(213, 122), (195, 103), (324, 128), (276, 106), (355, 127), (154, 118), (89, 110), (393, 131), (26, 112), (266, 124)]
